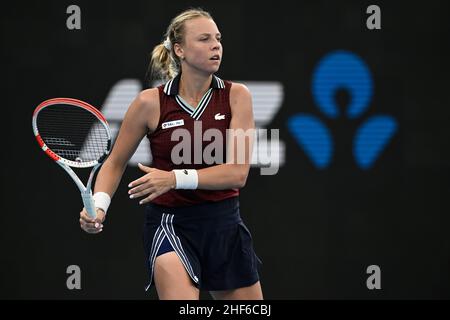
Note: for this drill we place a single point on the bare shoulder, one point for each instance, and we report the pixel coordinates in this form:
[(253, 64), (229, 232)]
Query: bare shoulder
[(148, 102), (239, 91), (149, 98), (241, 103), (240, 98)]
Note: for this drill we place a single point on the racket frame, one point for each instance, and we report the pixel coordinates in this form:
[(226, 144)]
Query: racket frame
[(86, 191)]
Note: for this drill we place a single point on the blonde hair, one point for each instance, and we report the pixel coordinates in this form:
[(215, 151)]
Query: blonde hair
[(165, 64)]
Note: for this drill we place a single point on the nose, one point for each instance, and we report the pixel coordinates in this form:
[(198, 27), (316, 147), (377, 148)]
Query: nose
[(216, 44)]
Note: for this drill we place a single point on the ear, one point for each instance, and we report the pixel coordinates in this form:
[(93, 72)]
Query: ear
[(179, 52)]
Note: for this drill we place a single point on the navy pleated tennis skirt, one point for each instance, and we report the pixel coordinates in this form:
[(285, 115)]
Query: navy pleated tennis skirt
[(211, 240)]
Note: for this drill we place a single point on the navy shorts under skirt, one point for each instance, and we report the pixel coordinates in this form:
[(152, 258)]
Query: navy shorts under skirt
[(211, 240)]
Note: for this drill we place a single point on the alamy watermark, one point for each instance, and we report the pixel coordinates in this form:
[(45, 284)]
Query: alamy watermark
[(238, 145), (74, 279), (374, 280), (374, 20), (73, 21)]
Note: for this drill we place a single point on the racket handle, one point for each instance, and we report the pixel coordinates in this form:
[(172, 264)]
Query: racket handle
[(88, 202)]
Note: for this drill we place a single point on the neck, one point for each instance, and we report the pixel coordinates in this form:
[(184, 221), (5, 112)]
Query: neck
[(194, 86)]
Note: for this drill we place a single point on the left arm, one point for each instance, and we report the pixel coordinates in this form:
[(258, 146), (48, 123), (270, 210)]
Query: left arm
[(232, 174)]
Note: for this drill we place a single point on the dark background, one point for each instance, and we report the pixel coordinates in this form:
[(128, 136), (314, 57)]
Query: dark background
[(315, 230)]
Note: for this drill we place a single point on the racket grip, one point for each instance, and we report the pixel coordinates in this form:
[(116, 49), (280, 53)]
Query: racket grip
[(88, 202)]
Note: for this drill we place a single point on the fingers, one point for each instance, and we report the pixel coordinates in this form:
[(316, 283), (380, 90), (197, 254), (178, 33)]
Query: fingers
[(144, 168), (92, 225), (153, 184), (100, 216), (138, 182), (151, 192), (150, 197), (140, 191), (142, 179), (85, 216)]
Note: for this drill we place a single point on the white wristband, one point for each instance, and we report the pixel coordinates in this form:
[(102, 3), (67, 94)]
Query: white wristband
[(102, 200), (186, 179)]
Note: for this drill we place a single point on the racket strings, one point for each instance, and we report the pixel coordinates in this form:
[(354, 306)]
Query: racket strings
[(73, 133)]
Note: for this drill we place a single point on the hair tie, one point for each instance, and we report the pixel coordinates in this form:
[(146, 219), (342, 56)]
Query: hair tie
[(167, 44)]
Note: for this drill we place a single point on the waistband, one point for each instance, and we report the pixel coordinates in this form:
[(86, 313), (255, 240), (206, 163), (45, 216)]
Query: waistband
[(210, 209)]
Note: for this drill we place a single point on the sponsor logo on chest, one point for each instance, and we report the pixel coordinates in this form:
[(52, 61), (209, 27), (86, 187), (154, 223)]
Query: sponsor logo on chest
[(172, 124)]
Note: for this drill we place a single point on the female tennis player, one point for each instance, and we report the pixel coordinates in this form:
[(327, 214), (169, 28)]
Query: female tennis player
[(194, 237)]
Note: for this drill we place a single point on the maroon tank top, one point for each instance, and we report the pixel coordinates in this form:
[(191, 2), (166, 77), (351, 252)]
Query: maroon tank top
[(213, 112)]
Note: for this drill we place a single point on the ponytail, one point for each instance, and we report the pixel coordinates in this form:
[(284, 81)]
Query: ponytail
[(164, 63)]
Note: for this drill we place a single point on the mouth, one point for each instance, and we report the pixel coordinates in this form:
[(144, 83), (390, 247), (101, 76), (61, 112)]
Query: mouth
[(215, 57)]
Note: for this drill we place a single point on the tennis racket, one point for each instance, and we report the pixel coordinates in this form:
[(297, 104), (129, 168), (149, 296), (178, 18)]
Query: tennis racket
[(75, 135)]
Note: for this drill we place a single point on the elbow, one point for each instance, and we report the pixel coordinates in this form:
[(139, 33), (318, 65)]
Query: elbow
[(114, 165), (115, 162), (241, 180)]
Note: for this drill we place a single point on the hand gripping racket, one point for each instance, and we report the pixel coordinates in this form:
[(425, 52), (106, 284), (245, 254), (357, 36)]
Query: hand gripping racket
[(74, 134)]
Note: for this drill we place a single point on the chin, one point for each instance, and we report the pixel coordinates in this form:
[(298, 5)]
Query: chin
[(209, 69), (214, 69)]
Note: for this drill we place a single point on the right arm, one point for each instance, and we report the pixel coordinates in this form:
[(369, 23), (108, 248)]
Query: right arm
[(142, 116)]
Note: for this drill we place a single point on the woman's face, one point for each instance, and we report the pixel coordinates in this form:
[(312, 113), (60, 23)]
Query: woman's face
[(202, 49)]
